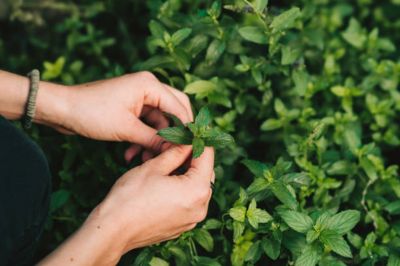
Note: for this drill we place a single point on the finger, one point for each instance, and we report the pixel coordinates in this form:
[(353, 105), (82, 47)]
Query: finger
[(147, 155), (183, 98), (144, 135), (131, 152), (156, 119), (161, 98), (202, 167), (169, 160)]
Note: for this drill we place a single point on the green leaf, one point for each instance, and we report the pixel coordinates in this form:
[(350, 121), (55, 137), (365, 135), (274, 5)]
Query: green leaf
[(336, 242), (312, 235), (218, 139), (286, 19), (283, 194), (253, 34), (344, 221), (394, 260), (256, 216), (156, 29), (271, 124), (354, 34), (259, 5), (198, 147), (300, 79), (155, 261), (256, 168), (214, 51), (238, 213), (205, 261), (180, 35), (201, 88), (204, 238), (254, 252), (289, 55), (58, 199), (271, 247), (203, 118), (177, 135), (309, 257), (298, 221), (212, 224)]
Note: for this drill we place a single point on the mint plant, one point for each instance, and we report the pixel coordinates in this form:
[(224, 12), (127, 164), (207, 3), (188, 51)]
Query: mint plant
[(200, 133)]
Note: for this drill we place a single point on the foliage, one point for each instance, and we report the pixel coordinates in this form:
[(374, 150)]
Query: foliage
[(308, 89), (198, 134)]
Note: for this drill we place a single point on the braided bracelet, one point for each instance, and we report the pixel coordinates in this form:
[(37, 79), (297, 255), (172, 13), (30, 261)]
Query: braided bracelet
[(34, 78)]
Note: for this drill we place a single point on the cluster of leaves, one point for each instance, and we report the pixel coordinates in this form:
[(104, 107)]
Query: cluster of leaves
[(308, 89), (198, 134)]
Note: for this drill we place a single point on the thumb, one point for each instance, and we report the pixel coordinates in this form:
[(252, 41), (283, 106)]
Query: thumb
[(169, 160), (145, 136)]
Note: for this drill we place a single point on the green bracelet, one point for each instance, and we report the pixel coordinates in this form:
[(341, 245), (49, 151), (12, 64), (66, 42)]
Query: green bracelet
[(30, 108)]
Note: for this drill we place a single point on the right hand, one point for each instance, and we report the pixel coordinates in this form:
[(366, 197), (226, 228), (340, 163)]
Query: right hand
[(149, 205)]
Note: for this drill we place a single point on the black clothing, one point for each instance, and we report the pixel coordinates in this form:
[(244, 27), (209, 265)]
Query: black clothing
[(25, 188)]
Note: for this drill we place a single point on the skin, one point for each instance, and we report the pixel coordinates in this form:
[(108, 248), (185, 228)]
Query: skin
[(148, 204)]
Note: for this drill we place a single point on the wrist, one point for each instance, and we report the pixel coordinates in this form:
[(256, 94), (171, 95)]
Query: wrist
[(53, 104)]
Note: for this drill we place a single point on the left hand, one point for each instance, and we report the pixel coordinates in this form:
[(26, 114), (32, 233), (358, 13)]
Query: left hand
[(113, 110)]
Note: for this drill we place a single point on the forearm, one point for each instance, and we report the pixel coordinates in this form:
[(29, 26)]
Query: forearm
[(97, 242), (51, 101)]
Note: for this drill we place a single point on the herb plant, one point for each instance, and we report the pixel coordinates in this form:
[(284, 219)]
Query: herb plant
[(308, 89), (199, 134)]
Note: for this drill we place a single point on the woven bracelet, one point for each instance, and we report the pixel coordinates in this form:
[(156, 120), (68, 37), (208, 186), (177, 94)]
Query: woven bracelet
[(30, 108)]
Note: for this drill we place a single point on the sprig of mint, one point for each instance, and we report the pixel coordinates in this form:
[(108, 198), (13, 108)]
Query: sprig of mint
[(199, 134)]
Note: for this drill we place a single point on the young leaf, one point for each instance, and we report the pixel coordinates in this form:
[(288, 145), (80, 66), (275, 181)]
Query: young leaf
[(177, 135), (256, 216), (343, 222), (238, 213), (218, 139), (253, 34), (298, 221), (336, 242), (203, 118), (201, 88), (271, 124), (198, 147)]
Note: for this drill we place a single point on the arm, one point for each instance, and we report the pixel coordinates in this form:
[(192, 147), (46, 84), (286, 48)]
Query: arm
[(51, 102), (126, 108), (131, 214)]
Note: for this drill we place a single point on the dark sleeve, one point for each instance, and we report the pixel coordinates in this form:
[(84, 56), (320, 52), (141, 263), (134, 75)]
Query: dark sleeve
[(25, 187)]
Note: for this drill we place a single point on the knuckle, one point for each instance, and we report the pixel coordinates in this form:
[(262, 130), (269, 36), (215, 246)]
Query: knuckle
[(200, 194), (147, 75)]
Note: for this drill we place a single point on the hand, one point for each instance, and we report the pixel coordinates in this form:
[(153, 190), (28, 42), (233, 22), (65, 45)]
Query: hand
[(112, 110), (146, 205)]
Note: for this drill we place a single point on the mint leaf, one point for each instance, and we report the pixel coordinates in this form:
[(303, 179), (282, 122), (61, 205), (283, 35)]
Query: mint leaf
[(256, 216), (283, 194), (180, 35), (253, 34), (204, 238), (256, 168), (344, 221), (203, 118), (176, 135), (298, 221), (198, 147), (309, 257), (271, 247), (286, 19), (217, 138), (336, 242), (238, 213)]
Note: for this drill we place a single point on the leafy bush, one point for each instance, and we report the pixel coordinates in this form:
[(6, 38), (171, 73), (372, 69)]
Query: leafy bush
[(308, 89)]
